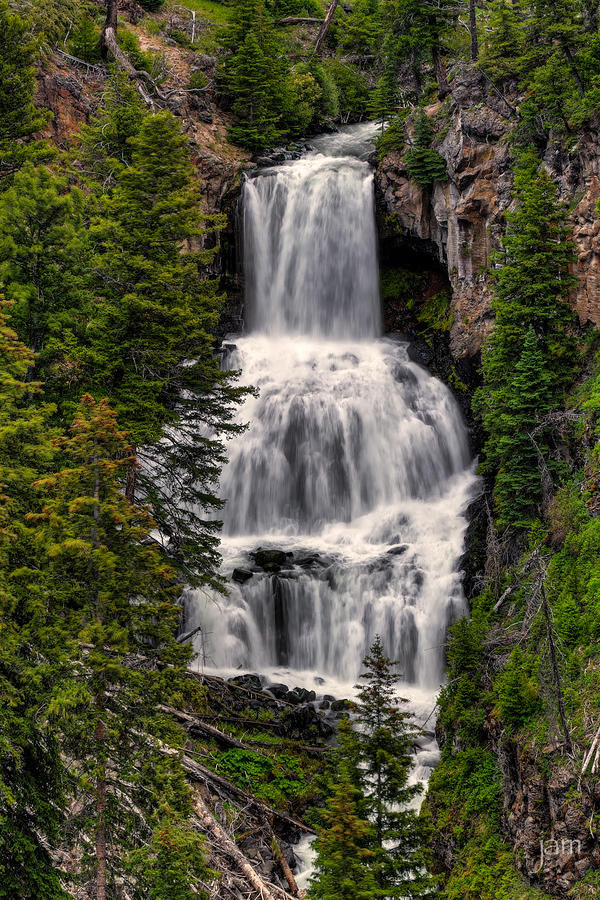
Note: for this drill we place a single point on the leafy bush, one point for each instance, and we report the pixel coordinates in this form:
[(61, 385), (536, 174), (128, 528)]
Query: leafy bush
[(151, 5)]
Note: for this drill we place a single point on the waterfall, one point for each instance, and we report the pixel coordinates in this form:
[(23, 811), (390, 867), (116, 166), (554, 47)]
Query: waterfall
[(355, 465)]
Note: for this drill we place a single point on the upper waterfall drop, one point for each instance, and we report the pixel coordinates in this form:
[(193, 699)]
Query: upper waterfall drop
[(355, 462), (310, 250)]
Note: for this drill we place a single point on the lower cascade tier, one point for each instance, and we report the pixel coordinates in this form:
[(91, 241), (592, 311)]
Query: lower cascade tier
[(345, 514)]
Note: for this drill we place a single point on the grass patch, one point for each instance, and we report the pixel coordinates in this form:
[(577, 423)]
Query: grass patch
[(215, 13)]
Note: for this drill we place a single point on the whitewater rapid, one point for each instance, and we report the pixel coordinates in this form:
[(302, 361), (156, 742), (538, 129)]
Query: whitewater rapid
[(355, 462)]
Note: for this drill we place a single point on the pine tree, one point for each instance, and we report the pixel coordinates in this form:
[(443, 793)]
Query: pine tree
[(255, 74), (19, 117), (112, 601), (150, 345), (31, 771), (423, 164), (105, 143), (342, 870), (528, 361), (529, 396), (42, 263), (384, 99), (386, 737), (173, 863), (504, 41), (369, 787)]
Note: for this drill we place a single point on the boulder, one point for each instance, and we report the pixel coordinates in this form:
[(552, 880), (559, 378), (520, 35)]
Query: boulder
[(241, 576)]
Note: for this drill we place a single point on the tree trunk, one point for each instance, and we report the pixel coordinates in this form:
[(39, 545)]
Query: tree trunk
[(473, 29), (440, 72), (101, 818), (325, 26), (555, 669), (285, 868), (109, 31)]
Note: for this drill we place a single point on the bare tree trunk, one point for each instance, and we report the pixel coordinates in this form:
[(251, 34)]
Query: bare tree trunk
[(109, 46), (440, 72), (325, 26), (473, 29), (109, 32), (555, 670), (101, 818)]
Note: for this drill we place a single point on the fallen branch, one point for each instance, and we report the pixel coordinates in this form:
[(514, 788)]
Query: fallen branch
[(284, 865), (192, 723), (208, 821), (592, 754), (295, 20)]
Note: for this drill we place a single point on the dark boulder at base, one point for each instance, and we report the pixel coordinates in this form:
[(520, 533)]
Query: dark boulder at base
[(250, 682), (303, 695), (279, 691), (397, 551), (241, 576), (339, 705), (271, 560)]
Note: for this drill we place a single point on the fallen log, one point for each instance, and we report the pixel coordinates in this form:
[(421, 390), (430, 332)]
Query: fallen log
[(208, 821), (296, 20)]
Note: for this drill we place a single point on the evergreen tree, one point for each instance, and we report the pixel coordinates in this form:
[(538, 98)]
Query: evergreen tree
[(529, 396), (342, 868), (528, 359), (19, 117), (255, 74), (369, 824), (423, 164), (105, 144), (85, 42), (42, 264), (149, 342), (504, 41), (386, 737), (384, 99), (110, 600), (172, 864), (31, 771)]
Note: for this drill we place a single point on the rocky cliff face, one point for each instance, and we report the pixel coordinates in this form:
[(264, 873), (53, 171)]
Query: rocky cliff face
[(459, 223)]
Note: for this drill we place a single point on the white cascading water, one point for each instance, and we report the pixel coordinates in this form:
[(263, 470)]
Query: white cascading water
[(355, 461)]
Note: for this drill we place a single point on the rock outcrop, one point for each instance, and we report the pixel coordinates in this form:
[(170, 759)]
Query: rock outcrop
[(460, 222)]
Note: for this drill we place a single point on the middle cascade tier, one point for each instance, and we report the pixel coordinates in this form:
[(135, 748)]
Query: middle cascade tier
[(337, 430)]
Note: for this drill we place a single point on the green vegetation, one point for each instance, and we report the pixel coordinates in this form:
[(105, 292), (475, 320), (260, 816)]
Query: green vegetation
[(528, 362), (370, 838)]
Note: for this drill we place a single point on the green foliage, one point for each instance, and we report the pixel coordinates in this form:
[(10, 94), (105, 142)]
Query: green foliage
[(172, 864), (531, 342), (437, 314), (277, 780), (504, 41), (518, 697), (351, 87), (129, 44), (255, 75), (42, 262), (154, 314), (375, 821), (19, 117), (84, 42), (393, 139), (424, 165)]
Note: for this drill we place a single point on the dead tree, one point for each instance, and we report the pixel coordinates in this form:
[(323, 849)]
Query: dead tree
[(325, 26), (552, 647)]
